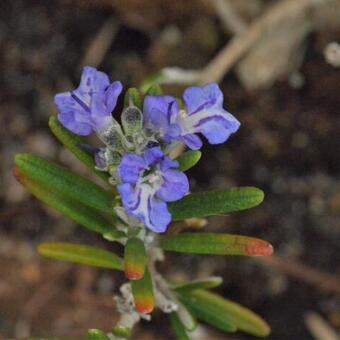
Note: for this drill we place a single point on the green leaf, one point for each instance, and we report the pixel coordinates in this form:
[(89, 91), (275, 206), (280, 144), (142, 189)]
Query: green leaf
[(185, 316), (134, 259), (82, 254), (30, 338), (216, 244), (76, 211), (188, 159), (224, 314), (143, 296), (152, 90), (209, 309), (72, 142), (211, 282), (178, 327), (55, 177), (121, 332), (133, 94), (96, 334), (215, 202)]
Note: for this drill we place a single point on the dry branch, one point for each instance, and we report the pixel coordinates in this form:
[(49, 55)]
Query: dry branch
[(300, 271), (280, 13)]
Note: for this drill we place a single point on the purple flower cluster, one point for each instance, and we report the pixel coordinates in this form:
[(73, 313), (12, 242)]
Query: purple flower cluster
[(147, 178)]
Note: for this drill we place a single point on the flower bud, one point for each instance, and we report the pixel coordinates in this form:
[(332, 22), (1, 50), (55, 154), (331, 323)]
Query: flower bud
[(132, 120)]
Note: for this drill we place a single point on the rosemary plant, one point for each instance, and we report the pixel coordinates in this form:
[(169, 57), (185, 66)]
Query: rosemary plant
[(146, 190)]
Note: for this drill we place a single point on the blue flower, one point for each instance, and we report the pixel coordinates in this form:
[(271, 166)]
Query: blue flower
[(148, 182), (88, 107), (204, 114)]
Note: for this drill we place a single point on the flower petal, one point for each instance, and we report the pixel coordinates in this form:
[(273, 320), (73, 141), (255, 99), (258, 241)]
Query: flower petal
[(92, 81), (111, 95), (140, 203), (77, 110), (168, 163), (216, 128), (174, 187), (72, 116), (153, 156), (131, 199), (158, 111), (197, 98), (192, 141), (206, 115), (173, 132), (159, 216), (130, 167), (101, 117)]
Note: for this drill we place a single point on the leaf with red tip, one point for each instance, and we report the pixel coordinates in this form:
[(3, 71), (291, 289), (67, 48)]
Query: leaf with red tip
[(216, 244), (142, 291), (134, 259)]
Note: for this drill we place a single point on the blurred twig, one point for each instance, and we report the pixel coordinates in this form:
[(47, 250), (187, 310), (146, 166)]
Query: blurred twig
[(319, 328), (319, 279), (242, 42), (231, 21), (100, 44), (276, 36), (189, 223)]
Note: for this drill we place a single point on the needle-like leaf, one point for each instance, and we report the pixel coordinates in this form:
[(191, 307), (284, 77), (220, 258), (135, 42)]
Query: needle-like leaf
[(142, 291), (134, 259), (82, 254), (178, 327), (210, 282), (224, 314), (215, 202), (76, 211), (216, 244), (209, 309), (72, 142), (57, 178)]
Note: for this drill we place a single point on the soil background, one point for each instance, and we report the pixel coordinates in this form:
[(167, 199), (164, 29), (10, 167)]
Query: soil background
[(288, 145)]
